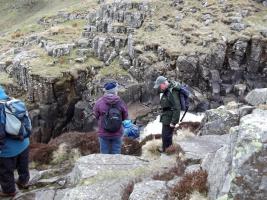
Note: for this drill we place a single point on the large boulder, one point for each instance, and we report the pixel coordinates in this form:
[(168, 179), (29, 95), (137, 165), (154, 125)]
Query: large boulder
[(218, 121), (99, 176), (257, 96), (238, 169)]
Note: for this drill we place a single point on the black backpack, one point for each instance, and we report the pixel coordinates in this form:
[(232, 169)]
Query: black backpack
[(112, 120)]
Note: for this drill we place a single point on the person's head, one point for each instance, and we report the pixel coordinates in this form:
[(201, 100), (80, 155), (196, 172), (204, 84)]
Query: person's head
[(3, 95), (161, 83), (111, 87)]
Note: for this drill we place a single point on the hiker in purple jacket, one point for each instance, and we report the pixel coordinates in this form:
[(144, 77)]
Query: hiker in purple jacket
[(110, 142)]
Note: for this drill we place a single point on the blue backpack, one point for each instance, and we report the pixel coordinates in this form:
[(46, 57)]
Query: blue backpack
[(18, 123), (130, 130), (184, 97), (183, 94)]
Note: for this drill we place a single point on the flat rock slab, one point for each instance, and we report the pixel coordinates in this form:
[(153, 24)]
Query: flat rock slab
[(107, 190), (100, 165), (196, 148), (149, 190), (37, 195)]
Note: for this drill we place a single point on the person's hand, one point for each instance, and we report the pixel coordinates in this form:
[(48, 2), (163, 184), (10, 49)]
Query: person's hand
[(172, 125)]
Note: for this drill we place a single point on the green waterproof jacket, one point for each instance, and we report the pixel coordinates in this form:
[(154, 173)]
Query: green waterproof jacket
[(170, 104)]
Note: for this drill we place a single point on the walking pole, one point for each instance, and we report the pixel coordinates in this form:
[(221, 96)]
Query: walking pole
[(184, 114)]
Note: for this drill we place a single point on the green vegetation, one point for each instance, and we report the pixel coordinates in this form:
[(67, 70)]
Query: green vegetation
[(189, 34), (113, 70), (48, 66), (16, 14)]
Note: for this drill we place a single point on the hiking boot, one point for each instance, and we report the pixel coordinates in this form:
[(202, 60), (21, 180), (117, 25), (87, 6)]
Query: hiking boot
[(2, 194), (22, 186)]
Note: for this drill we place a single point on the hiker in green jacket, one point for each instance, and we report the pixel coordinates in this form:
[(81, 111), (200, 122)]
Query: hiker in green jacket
[(170, 105)]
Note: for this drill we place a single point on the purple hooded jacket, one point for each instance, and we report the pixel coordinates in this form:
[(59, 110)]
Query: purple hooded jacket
[(101, 107)]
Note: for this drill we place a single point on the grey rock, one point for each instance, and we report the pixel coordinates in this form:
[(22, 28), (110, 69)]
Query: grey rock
[(245, 110), (149, 190), (175, 181), (58, 50), (238, 26), (233, 170), (218, 121), (80, 60), (257, 96), (95, 176), (240, 89), (106, 190), (43, 194), (83, 42), (192, 168), (196, 148), (101, 164), (218, 166)]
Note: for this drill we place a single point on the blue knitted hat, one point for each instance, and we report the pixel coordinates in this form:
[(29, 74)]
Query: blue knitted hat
[(110, 85)]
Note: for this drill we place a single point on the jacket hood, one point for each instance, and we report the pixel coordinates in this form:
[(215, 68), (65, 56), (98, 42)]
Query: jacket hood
[(3, 95), (111, 98)]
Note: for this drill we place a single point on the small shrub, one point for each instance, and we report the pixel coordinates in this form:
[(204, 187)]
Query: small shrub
[(149, 138), (174, 149), (127, 191), (17, 34), (168, 175), (131, 147), (87, 143), (191, 126), (151, 149), (74, 25), (41, 153), (195, 181)]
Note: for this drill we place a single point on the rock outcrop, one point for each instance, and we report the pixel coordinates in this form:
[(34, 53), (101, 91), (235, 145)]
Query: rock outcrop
[(237, 170), (111, 177)]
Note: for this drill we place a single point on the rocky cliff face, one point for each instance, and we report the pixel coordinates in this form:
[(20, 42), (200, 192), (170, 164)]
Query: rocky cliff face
[(216, 48)]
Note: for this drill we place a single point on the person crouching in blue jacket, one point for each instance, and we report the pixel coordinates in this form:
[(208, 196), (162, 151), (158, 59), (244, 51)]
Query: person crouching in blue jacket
[(14, 155)]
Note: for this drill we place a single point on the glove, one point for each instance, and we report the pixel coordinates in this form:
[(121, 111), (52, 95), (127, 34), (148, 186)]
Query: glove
[(172, 125)]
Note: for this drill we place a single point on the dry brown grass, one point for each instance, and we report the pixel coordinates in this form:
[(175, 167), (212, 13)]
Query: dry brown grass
[(262, 106), (41, 153), (127, 191), (17, 34), (174, 149), (191, 126), (149, 138), (131, 147), (191, 182), (168, 175), (74, 25)]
